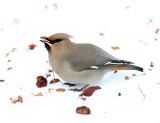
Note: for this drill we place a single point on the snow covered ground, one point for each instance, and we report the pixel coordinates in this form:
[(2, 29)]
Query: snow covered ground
[(131, 25)]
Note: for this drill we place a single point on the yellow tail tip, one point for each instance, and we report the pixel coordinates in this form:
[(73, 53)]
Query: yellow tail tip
[(143, 70)]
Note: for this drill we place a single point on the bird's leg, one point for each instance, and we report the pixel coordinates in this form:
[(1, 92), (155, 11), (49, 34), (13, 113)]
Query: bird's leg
[(69, 84), (78, 90)]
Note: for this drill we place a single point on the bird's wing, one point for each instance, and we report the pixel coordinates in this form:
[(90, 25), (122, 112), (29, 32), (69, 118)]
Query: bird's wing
[(89, 56)]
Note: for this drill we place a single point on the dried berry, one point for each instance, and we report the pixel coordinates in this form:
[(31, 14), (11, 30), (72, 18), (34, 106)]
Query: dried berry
[(41, 82), (50, 70), (90, 90), (126, 78), (32, 46), (115, 71), (119, 94), (134, 75), (151, 65), (83, 110), (54, 81)]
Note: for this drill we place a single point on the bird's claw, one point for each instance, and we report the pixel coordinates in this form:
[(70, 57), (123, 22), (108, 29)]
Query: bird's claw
[(76, 89), (69, 84)]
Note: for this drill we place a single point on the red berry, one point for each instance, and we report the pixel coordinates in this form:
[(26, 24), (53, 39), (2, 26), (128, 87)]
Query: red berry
[(41, 82), (83, 110)]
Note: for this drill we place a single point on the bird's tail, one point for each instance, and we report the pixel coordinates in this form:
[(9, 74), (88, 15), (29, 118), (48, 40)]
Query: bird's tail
[(127, 67)]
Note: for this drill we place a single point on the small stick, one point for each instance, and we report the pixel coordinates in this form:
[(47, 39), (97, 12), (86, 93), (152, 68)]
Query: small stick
[(2, 80), (141, 91), (143, 42)]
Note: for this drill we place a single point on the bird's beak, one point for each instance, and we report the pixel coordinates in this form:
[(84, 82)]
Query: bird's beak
[(44, 39)]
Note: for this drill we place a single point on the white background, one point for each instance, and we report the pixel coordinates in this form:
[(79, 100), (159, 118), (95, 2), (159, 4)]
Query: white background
[(129, 24)]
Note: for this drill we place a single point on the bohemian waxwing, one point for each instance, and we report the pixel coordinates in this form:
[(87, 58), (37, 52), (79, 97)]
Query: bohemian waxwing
[(81, 63)]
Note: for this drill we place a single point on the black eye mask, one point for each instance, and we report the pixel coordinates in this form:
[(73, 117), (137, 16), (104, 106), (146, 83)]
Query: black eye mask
[(54, 41)]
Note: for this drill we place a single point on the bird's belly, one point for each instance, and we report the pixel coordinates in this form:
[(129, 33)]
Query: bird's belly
[(82, 77), (64, 71)]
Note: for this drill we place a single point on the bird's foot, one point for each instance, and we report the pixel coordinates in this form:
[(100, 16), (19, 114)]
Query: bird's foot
[(78, 90), (69, 84)]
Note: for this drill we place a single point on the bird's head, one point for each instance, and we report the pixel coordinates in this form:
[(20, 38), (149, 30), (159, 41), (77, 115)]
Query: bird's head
[(55, 39)]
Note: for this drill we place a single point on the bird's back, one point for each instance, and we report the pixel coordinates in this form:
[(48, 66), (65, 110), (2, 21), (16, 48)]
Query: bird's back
[(86, 55)]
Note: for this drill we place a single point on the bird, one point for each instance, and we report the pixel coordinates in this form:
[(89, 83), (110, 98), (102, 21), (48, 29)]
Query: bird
[(81, 63)]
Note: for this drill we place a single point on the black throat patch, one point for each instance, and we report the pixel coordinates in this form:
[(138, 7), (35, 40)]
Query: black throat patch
[(47, 47)]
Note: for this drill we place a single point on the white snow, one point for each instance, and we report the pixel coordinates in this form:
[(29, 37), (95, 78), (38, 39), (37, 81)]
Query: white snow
[(131, 25)]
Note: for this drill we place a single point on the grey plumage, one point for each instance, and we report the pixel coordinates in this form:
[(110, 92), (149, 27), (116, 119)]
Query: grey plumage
[(80, 63)]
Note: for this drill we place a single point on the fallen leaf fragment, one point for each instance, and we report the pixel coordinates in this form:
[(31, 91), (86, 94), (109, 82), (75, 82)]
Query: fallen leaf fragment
[(60, 90), (14, 49), (115, 48), (7, 54), (54, 81), (90, 90), (83, 98), (126, 78), (41, 82), (82, 94), (20, 99), (150, 69), (127, 7), (50, 90), (32, 46), (157, 31), (48, 75), (101, 34), (9, 60), (39, 94), (83, 110), (9, 68)]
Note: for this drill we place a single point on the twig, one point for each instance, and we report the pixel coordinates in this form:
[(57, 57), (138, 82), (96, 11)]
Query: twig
[(141, 91), (2, 80), (143, 42)]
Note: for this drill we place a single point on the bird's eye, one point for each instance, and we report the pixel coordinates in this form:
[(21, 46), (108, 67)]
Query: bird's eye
[(55, 41)]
